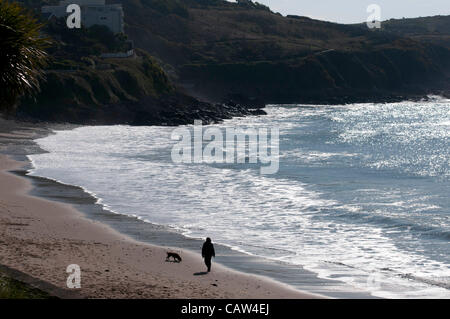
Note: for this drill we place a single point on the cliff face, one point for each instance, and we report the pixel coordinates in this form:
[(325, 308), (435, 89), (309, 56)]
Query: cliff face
[(119, 91), (219, 49), (331, 77), (83, 88), (80, 91)]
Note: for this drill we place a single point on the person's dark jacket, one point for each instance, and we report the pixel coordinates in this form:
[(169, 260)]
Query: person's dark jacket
[(208, 250)]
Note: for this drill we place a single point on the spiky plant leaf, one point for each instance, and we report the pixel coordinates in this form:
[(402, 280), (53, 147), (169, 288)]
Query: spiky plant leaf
[(22, 54)]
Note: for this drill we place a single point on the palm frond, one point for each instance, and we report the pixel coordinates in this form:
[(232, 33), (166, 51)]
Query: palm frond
[(22, 54)]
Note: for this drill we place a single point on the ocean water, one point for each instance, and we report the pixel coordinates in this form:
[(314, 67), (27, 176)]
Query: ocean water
[(361, 195)]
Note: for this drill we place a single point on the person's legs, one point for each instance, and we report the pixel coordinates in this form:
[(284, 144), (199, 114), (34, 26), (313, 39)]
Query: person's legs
[(208, 263)]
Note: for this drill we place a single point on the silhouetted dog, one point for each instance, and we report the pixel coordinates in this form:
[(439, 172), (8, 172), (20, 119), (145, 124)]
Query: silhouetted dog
[(175, 257)]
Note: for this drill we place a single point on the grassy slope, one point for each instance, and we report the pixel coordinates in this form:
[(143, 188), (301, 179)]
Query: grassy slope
[(82, 88), (79, 85), (218, 48), (79, 94), (13, 289), (426, 29)]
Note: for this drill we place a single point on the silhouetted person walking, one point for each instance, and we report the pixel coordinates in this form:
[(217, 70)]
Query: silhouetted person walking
[(208, 252)]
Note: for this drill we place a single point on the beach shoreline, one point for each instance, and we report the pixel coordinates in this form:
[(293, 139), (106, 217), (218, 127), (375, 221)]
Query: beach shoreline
[(40, 238)]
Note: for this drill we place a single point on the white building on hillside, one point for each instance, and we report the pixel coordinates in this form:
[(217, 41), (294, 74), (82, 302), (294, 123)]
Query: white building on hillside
[(92, 12)]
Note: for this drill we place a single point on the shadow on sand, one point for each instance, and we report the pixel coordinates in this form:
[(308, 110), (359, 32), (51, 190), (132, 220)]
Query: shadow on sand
[(202, 273)]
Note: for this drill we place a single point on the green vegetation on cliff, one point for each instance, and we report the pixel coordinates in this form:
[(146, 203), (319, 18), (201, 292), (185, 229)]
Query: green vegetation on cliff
[(221, 48), (84, 85), (78, 82), (94, 83)]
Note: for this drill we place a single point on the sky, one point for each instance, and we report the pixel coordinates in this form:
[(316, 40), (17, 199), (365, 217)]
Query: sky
[(355, 11)]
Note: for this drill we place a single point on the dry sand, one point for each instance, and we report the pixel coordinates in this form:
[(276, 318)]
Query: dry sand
[(40, 238)]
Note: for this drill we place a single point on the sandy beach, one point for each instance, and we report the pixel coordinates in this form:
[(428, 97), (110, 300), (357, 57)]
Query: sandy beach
[(40, 238)]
